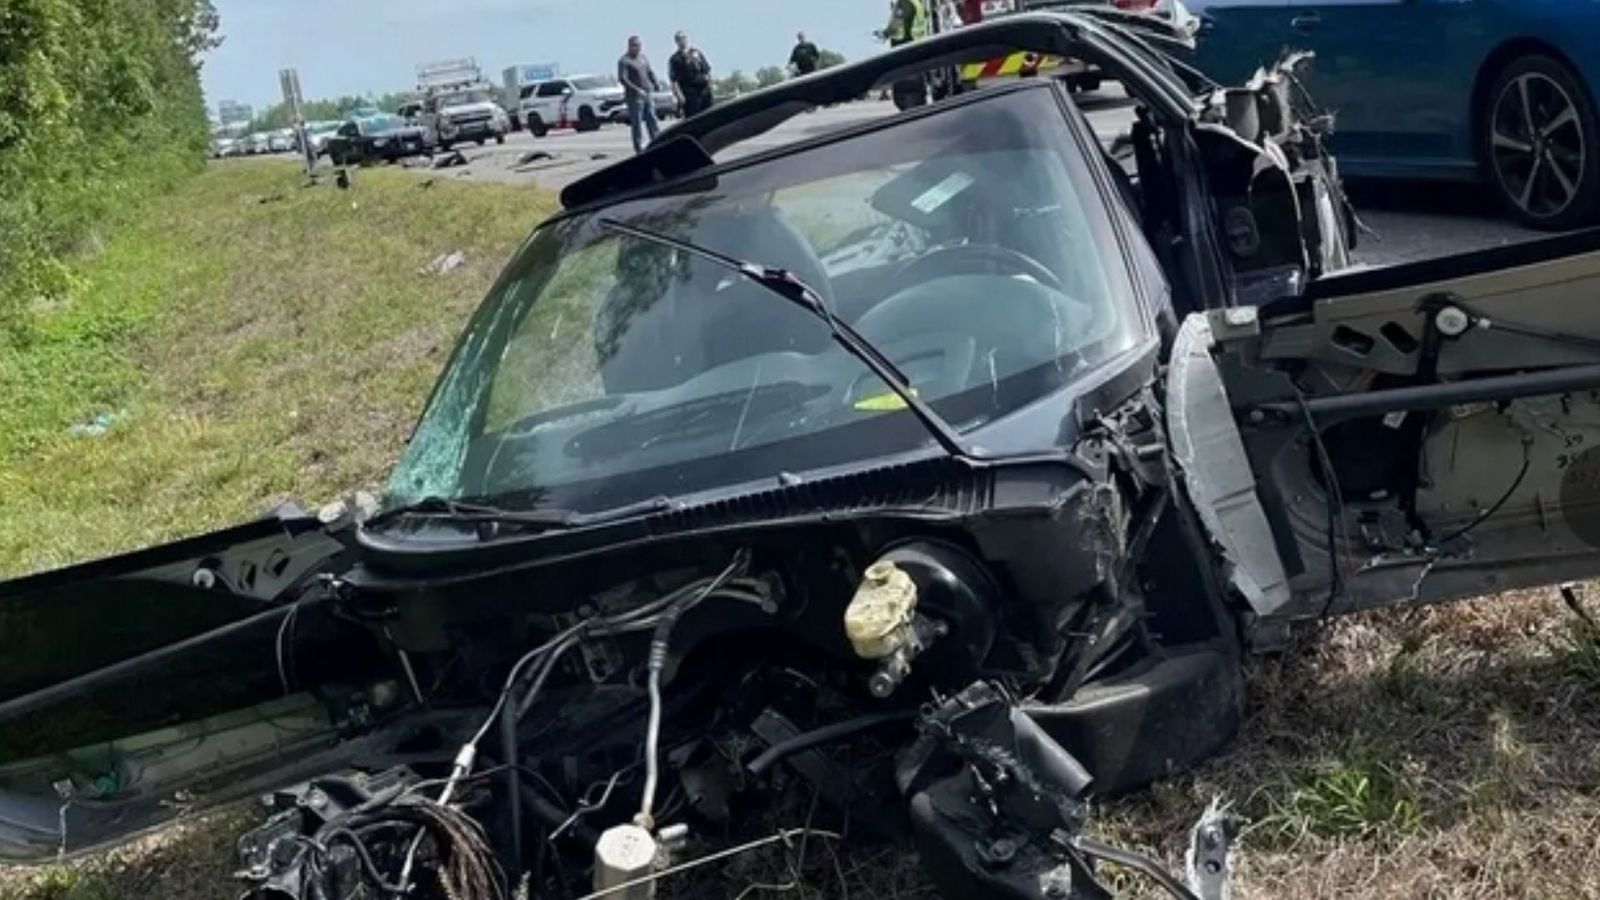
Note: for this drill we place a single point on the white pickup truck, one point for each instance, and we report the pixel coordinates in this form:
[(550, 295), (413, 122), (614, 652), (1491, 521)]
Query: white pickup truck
[(580, 102), (462, 114)]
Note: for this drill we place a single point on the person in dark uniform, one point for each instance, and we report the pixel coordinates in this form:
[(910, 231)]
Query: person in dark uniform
[(690, 72), (805, 58), (908, 21)]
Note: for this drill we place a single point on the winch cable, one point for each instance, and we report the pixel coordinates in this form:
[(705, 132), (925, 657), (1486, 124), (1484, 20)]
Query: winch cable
[(659, 646), (1128, 859), (1335, 504), (1489, 323), (827, 734), (782, 837), (1487, 514), (664, 610)]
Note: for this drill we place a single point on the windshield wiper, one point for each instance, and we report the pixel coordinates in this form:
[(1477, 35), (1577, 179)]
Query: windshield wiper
[(536, 520), (789, 286)]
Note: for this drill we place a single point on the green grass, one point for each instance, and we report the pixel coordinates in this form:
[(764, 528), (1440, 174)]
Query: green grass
[(1363, 793), (259, 341)]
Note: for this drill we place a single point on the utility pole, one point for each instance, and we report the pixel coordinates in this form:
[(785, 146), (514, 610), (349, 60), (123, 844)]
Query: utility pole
[(289, 80)]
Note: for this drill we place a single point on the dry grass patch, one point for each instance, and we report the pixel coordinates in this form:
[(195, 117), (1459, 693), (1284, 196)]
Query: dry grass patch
[(1440, 753)]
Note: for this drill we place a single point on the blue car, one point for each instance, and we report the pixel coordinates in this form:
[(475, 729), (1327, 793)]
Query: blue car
[(1498, 90)]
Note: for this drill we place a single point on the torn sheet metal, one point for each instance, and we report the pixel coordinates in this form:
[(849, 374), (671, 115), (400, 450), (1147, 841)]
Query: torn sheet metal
[(1210, 454)]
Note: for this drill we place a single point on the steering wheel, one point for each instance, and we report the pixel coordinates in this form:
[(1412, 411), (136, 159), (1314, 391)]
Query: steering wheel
[(966, 259)]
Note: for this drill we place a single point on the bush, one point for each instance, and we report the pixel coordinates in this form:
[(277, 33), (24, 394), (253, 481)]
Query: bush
[(100, 104)]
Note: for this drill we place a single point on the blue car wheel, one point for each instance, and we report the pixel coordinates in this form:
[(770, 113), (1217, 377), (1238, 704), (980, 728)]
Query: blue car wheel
[(1541, 144)]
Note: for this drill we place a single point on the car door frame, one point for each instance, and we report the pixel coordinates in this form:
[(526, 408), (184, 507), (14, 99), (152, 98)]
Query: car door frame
[(1461, 377)]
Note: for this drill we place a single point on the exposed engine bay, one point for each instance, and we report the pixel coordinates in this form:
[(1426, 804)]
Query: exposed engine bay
[(877, 671)]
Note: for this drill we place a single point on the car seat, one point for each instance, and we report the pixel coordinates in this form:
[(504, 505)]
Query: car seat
[(663, 324)]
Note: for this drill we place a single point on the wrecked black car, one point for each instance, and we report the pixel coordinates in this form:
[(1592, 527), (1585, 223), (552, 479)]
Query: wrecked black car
[(939, 472)]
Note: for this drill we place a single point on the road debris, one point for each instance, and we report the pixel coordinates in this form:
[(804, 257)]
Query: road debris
[(98, 426), (444, 263)]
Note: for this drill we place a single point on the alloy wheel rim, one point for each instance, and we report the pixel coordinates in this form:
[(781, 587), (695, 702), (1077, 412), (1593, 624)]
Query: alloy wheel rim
[(1537, 145)]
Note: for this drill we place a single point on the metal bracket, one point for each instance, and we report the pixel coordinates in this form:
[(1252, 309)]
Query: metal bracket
[(1210, 860)]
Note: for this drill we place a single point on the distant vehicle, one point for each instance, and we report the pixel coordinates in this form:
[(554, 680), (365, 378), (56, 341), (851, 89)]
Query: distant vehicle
[(1493, 90), (411, 112), (517, 83), (281, 141), (318, 133), (449, 73), (581, 102), (256, 142), (384, 137), (224, 147), (464, 114), (667, 107)]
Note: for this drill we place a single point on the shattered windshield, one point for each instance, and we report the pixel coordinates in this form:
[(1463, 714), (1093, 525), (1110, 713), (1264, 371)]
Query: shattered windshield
[(605, 369)]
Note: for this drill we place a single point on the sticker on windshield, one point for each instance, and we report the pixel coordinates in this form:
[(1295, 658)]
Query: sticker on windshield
[(943, 192)]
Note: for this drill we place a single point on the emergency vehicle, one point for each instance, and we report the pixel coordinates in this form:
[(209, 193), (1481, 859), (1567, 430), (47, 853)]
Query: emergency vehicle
[(1078, 75)]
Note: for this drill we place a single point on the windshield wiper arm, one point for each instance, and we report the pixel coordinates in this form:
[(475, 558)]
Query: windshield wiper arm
[(790, 287)]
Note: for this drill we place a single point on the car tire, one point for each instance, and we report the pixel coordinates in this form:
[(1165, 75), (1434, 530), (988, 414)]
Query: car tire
[(587, 120), (480, 142), (444, 146), (537, 126), (500, 140), (910, 93), (1540, 144)]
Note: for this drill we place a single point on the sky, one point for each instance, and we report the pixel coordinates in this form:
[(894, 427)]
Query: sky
[(361, 46)]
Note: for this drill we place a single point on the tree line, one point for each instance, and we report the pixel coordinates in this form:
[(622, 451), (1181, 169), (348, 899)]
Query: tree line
[(100, 104), (737, 82), (327, 110)]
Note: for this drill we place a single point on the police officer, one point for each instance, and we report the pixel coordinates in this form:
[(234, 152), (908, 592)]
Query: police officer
[(690, 73), (908, 21)]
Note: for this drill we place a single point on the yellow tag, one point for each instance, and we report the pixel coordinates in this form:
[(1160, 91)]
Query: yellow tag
[(888, 401)]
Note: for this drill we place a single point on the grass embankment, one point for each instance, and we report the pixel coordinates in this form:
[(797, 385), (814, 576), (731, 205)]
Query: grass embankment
[(267, 342), (256, 341)]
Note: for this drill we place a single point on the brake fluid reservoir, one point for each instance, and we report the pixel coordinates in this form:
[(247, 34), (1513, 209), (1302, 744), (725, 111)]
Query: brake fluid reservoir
[(878, 619)]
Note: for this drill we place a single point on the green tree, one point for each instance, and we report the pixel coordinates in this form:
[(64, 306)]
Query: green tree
[(100, 104), (769, 76), (277, 116), (827, 59), (735, 84)]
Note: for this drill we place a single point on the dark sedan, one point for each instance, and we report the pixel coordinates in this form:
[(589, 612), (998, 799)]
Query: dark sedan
[(373, 138), (1492, 90)]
